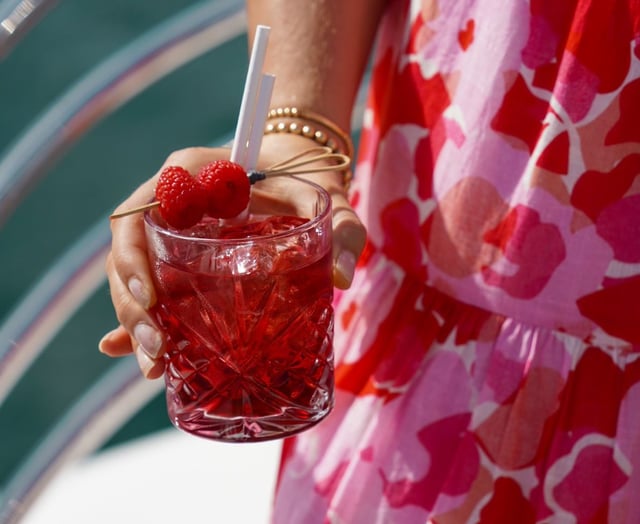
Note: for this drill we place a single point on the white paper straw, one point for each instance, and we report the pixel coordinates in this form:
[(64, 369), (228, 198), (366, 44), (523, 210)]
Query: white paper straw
[(248, 104), (259, 120)]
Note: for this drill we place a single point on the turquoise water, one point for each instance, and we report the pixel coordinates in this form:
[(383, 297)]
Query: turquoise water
[(193, 106)]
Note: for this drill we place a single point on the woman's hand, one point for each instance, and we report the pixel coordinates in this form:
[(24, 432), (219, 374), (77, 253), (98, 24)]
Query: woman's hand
[(129, 277), (127, 265), (349, 235)]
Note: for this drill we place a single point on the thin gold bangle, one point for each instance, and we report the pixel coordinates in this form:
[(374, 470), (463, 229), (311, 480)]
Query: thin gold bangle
[(317, 136), (305, 130), (313, 117), (297, 121)]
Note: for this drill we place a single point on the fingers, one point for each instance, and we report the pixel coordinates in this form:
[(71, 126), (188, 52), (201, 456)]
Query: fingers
[(349, 235), (132, 291), (118, 343), (129, 275), (137, 332), (129, 261), (129, 245), (349, 238), (129, 272)]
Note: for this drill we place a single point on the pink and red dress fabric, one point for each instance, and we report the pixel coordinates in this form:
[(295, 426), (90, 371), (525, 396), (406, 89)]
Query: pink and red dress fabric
[(488, 352)]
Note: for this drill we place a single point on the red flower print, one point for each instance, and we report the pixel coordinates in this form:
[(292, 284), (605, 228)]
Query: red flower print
[(616, 308), (521, 114), (595, 190), (596, 34), (626, 129), (555, 157), (405, 329), (406, 97), (465, 36), (401, 223), (593, 409), (507, 502), (347, 314), (423, 166)]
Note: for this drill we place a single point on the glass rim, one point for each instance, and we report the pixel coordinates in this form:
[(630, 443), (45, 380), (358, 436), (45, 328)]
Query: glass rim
[(311, 223)]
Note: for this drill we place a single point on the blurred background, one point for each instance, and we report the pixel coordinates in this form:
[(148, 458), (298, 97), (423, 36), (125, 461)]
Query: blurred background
[(197, 104)]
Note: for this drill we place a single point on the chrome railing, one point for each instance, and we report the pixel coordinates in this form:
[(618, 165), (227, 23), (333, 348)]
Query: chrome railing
[(17, 17)]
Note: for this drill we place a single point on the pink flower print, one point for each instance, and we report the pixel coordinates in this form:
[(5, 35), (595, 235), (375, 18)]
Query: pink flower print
[(513, 433), (618, 224), (453, 233), (535, 248), (593, 477), (454, 465)]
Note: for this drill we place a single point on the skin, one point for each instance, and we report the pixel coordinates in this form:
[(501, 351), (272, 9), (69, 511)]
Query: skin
[(318, 51)]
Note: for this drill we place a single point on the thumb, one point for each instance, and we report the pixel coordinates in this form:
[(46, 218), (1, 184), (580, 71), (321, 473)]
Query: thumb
[(349, 237)]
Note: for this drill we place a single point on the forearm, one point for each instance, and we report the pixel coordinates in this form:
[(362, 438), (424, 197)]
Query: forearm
[(318, 50)]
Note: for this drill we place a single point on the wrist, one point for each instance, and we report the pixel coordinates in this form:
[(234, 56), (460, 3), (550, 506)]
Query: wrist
[(277, 147), (292, 120), (324, 131)]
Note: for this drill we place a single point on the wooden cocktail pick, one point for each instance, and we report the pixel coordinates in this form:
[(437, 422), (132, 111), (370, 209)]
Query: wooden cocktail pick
[(299, 164)]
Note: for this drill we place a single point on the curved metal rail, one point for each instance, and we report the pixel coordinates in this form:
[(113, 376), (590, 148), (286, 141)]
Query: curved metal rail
[(68, 284), (79, 272), (17, 18), (48, 306), (98, 414), (38, 318), (134, 68)]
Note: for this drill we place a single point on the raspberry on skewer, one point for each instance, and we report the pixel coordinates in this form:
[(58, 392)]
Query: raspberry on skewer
[(182, 199), (227, 187), (222, 188)]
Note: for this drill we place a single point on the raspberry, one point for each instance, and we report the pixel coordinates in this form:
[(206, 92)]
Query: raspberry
[(227, 188), (182, 200)]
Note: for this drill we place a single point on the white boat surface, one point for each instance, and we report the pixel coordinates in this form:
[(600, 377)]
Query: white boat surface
[(166, 477)]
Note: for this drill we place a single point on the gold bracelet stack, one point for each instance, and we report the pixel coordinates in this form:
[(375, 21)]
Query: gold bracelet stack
[(313, 126)]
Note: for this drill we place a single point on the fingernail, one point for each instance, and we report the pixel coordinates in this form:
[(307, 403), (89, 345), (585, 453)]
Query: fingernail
[(104, 340), (148, 338), (139, 292), (346, 265), (145, 363)]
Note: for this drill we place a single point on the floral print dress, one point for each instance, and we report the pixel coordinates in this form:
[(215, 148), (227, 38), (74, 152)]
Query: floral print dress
[(487, 354)]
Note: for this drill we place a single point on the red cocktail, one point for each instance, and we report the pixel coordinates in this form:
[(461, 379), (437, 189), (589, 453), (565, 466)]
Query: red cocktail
[(247, 310)]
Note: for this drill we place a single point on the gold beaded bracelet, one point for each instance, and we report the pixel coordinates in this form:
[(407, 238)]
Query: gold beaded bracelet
[(297, 121)]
